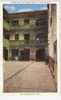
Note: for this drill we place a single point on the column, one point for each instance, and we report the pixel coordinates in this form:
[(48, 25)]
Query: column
[(32, 54), (9, 54)]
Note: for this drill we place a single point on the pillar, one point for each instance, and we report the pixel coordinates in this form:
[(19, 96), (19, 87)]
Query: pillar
[(9, 54), (32, 54)]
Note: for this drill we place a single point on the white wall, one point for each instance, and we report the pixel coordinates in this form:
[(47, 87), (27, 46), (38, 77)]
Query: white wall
[(52, 34), (21, 36)]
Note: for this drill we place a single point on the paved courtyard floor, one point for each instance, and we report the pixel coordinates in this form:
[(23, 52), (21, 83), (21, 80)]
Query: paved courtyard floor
[(27, 76)]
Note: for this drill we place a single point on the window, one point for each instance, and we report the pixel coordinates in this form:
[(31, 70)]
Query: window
[(7, 36), (16, 36), (26, 21), (26, 38), (38, 22), (38, 36), (15, 22), (7, 21)]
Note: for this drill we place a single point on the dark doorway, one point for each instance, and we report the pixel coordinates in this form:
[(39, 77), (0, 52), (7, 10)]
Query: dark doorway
[(21, 55), (15, 54), (26, 54), (5, 53), (7, 36), (40, 55)]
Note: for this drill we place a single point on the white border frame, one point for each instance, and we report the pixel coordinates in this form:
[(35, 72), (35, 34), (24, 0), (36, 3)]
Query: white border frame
[(1, 50)]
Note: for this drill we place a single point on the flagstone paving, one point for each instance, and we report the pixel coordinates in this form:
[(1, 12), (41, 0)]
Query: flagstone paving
[(28, 76)]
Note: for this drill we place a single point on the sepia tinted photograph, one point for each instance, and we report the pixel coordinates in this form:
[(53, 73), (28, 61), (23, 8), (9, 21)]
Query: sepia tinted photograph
[(30, 48)]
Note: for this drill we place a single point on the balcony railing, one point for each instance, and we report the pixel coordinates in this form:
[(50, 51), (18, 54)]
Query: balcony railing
[(10, 26), (18, 27), (23, 27), (23, 43)]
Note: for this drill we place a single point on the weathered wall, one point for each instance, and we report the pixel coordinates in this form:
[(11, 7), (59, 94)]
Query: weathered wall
[(52, 32), (52, 37)]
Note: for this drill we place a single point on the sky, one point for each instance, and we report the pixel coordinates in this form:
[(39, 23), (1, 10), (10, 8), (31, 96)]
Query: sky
[(13, 8)]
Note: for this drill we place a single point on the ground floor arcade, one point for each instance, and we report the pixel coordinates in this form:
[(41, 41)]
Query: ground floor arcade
[(27, 53)]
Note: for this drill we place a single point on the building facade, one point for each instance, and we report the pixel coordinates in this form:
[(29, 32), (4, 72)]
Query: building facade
[(31, 36), (25, 35)]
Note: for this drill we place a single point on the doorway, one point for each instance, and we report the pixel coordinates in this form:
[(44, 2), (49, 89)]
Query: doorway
[(5, 53), (40, 55), (15, 54), (24, 55)]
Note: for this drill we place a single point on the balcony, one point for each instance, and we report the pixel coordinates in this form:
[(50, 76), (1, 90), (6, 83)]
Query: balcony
[(29, 27), (17, 27), (9, 26), (23, 43)]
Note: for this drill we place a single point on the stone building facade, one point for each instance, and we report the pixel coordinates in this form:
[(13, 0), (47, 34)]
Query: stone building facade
[(26, 37)]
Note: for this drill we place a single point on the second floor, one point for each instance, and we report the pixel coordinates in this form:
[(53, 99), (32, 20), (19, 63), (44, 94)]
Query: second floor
[(26, 39), (29, 20)]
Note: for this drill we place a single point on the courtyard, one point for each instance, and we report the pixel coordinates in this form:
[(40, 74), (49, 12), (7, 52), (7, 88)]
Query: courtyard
[(30, 48), (28, 76)]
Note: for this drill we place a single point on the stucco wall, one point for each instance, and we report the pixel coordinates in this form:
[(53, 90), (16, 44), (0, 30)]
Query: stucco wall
[(52, 32), (52, 37)]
